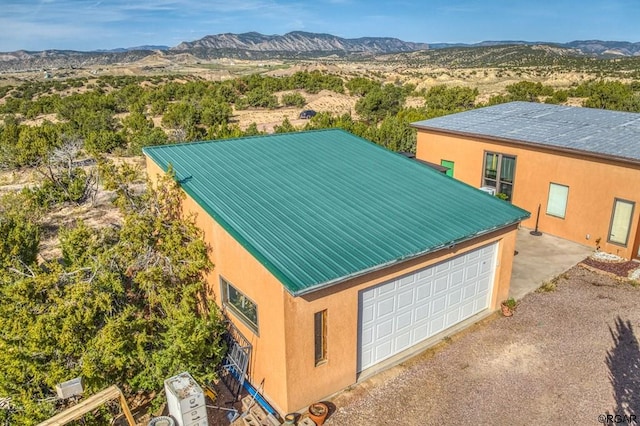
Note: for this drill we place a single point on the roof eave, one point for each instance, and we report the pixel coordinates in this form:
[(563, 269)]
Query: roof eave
[(591, 154), (447, 245)]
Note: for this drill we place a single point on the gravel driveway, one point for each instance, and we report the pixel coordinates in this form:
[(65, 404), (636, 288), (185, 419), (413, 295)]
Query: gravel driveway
[(565, 357)]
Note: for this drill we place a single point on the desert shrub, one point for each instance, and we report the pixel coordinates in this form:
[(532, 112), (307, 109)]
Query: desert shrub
[(19, 229), (378, 103), (360, 86), (261, 98), (293, 99)]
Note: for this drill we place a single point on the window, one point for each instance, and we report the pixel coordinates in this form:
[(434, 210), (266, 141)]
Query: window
[(320, 333), (499, 172), (449, 165), (240, 305), (621, 221), (557, 203)]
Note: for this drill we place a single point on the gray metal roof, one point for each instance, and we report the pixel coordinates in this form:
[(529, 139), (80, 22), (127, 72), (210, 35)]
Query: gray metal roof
[(598, 131)]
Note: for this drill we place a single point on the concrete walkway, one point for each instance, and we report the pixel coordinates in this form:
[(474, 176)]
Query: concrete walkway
[(541, 258)]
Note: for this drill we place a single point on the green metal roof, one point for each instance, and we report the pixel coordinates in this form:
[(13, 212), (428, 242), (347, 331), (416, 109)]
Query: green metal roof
[(316, 208)]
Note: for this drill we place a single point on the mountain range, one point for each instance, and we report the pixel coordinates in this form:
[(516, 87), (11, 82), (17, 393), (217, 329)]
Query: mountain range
[(295, 44)]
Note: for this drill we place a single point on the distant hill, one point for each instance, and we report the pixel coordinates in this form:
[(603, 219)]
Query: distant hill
[(300, 44), (129, 49), (299, 41), (585, 47), (606, 48)]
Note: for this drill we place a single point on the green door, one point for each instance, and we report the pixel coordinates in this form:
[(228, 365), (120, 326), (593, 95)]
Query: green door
[(449, 165)]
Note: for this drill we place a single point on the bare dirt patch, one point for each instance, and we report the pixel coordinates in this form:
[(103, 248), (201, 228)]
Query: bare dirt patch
[(324, 101), (566, 356)]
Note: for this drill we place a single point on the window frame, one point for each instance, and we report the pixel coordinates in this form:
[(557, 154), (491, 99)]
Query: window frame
[(566, 200), (497, 181), (228, 304), (617, 200), (320, 337)]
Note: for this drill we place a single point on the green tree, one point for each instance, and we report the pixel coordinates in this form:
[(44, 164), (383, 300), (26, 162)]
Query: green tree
[(528, 91), (612, 95), (360, 86), (127, 305), (20, 230), (214, 112), (293, 99), (285, 127), (442, 99), (261, 98), (378, 103), (181, 114)]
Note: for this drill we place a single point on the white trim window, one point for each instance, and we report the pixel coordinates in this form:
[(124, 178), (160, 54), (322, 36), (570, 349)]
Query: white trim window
[(242, 307), (557, 202), (621, 217)]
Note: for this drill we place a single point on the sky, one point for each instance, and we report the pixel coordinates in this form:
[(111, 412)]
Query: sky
[(109, 24)]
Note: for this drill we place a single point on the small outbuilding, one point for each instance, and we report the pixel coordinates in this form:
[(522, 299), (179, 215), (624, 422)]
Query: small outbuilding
[(334, 256)]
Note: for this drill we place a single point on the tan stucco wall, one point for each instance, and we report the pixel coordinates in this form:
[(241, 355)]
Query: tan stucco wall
[(283, 352), (593, 185), (243, 271), (308, 383)]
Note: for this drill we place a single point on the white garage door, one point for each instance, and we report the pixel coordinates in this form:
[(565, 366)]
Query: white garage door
[(398, 314)]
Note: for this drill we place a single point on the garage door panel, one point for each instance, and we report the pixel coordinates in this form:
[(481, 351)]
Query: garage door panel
[(368, 314), (437, 324), (441, 284), (443, 267), (457, 278), (405, 299), (458, 261), (425, 274), (488, 251), (452, 317), (468, 309), (471, 272), (481, 303), (366, 357), (439, 304), (421, 313), (486, 267), (386, 288), (367, 296), (407, 280), (475, 254), (404, 320), (384, 350), (403, 341), (386, 306), (423, 291), (401, 313), (483, 284), (384, 329), (455, 298), (469, 291), (421, 332), (367, 337)]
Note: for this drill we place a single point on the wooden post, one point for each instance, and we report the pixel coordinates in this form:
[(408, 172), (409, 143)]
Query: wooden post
[(79, 410)]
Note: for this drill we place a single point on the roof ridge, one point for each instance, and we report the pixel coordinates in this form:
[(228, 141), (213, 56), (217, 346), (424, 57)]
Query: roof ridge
[(261, 136)]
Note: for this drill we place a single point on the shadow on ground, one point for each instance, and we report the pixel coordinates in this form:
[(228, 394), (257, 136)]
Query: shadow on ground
[(623, 361)]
